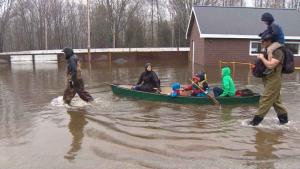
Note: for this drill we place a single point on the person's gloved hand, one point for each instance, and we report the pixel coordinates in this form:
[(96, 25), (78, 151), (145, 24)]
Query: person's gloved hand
[(71, 83), (206, 90), (158, 90)]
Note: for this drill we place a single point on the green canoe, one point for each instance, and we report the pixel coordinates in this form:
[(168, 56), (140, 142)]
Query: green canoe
[(124, 90)]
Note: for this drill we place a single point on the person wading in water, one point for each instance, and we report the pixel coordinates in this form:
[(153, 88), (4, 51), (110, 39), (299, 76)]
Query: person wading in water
[(272, 85), (74, 83)]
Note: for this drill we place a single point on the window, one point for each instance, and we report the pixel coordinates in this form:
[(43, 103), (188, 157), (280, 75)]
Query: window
[(255, 47)]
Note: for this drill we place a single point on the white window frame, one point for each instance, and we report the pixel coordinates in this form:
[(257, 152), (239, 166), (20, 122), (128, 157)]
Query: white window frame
[(250, 47), (253, 54)]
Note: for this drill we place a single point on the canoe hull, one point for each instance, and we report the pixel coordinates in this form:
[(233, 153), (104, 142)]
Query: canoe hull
[(121, 91)]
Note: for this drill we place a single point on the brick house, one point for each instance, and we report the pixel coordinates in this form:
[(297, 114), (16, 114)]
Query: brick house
[(231, 33)]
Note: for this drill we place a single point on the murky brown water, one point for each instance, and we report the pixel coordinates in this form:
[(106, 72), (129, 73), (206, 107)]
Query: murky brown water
[(38, 132)]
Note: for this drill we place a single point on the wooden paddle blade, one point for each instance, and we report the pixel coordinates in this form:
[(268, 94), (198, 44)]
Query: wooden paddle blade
[(216, 102)]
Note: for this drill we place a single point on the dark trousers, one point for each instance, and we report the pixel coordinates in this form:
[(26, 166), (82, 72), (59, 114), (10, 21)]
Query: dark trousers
[(145, 88), (217, 91), (78, 88)]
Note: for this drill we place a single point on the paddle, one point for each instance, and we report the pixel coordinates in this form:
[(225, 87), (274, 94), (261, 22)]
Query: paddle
[(215, 101), (157, 90)]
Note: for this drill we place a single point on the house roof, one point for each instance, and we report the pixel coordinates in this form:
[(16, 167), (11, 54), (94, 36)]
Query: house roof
[(241, 22)]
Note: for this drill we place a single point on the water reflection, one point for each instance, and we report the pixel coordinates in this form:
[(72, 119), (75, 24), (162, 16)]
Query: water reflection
[(76, 126), (226, 113), (265, 146), (14, 122), (163, 135)]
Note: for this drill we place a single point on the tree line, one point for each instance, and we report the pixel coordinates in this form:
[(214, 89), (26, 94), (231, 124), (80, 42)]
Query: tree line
[(54, 24)]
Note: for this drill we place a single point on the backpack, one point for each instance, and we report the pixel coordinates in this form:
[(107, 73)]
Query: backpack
[(287, 64), (288, 61), (258, 68), (244, 92)]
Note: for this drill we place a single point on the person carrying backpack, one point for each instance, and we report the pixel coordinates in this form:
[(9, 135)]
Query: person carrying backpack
[(277, 36), (272, 85)]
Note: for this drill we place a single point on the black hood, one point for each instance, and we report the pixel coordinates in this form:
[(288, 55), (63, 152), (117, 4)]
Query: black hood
[(267, 37), (146, 65), (267, 17), (68, 52), (202, 76)]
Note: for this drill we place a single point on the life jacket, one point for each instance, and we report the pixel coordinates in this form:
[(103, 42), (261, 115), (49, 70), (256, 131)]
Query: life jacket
[(175, 89)]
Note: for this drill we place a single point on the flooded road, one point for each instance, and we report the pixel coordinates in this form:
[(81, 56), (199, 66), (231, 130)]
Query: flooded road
[(37, 131)]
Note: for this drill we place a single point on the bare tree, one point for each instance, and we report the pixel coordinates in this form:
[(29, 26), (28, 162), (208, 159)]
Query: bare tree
[(293, 4), (119, 11), (5, 15), (181, 10), (53, 24), (272, 3)]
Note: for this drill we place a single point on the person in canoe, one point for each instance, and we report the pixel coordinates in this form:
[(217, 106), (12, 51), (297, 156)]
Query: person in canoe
[(148, 81), (199, 86), (177, 90), (228, 86)]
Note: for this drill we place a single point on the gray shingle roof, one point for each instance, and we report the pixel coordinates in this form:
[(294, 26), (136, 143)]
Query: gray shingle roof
[(244, 21)]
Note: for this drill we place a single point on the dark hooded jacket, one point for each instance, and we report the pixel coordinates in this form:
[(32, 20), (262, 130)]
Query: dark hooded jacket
[(274, 29), (148, 80), (73, 69), (203, 81)]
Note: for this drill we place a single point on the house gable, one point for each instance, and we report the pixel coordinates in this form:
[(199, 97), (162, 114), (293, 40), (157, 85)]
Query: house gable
[(241, 22)]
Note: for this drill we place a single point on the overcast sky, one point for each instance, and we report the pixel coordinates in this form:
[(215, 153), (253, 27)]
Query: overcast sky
[(249, 3)]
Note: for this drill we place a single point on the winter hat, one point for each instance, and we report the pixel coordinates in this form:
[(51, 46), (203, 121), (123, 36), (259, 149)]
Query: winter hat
[(267, 17)]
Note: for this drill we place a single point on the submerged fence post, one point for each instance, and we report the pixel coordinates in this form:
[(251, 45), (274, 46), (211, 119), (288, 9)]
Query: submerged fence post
[(33, 58), (89, 31)]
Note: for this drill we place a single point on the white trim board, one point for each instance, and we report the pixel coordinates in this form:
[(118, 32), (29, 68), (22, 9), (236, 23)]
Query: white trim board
[(192, 12), (100, 50), (232, 36), (187, 29)]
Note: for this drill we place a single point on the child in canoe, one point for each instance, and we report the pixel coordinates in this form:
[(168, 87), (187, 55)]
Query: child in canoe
[(199, 86), (176, 90), (228, 86)]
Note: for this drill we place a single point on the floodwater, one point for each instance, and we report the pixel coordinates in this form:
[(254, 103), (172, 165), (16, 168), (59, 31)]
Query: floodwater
[(37, 131)]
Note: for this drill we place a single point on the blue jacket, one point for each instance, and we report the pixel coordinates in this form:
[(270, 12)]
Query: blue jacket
[(273, 28), (276, 31)]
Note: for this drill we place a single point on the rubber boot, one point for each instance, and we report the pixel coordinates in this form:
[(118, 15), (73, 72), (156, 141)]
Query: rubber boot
[(256, 120), (283, 118)]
